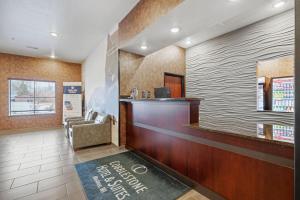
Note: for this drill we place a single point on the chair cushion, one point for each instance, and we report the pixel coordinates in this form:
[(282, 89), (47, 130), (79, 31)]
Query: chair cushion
[(101, 119), (93, 115), (88, 115)]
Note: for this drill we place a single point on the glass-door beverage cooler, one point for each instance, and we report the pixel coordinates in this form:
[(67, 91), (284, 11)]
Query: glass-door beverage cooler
[(283, 94), (261, 82)]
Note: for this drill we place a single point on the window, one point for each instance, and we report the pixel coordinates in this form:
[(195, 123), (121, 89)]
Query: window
[(28, 97)]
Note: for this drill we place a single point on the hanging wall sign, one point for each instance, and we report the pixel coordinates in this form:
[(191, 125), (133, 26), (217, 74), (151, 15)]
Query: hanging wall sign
[(72, 105)]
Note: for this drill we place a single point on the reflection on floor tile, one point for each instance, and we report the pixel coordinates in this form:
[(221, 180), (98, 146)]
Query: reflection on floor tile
[(5, 185), (24, 180), (40, 165), (19, 192), (53, 193), (19, 173)]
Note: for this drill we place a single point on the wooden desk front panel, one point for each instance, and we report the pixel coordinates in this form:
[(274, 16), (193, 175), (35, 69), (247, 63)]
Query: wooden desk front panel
[(156, 130), (171, 115), (231, 175)]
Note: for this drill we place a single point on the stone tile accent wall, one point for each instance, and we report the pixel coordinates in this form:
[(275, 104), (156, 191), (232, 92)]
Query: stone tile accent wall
[(12, 66), (147, 73), (142, 15)]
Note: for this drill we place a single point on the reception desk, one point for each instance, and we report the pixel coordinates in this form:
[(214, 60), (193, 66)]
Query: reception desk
[(218, 164)]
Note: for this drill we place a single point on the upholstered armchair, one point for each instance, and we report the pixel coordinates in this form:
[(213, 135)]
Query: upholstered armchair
[(90, 116), (91, 133)]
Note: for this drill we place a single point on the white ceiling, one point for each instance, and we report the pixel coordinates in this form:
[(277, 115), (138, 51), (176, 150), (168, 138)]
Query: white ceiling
[(81, 24), (200, 20)]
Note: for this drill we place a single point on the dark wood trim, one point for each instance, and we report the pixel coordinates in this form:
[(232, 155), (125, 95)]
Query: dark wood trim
[(276, 148), (297, 100), (182, 81), (285, 162)]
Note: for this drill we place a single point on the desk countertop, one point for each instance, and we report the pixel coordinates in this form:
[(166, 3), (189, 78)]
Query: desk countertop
[(161, 99), (267, 134)]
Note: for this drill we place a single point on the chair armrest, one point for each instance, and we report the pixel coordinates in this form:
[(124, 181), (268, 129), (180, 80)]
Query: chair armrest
[(72, 123), (81, 128), (95, 129), (73, 118)]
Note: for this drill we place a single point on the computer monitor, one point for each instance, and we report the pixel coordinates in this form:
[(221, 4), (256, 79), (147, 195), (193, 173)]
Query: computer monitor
[(162, 92)]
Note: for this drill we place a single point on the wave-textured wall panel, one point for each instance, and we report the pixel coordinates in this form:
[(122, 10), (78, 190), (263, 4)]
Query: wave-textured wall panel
[(223, 72)]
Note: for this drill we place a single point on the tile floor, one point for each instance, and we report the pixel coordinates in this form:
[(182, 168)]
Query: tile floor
[(40, 165)]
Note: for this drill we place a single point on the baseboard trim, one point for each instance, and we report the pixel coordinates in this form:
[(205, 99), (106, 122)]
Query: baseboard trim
[(25, 130)]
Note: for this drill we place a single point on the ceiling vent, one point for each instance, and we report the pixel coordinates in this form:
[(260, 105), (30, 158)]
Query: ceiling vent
[(32, 47)]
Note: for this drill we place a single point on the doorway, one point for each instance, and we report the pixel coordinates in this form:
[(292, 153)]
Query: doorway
[(175, 83)]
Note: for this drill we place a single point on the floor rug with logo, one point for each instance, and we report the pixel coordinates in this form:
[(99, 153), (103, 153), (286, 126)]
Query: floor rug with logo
[(127, 176)]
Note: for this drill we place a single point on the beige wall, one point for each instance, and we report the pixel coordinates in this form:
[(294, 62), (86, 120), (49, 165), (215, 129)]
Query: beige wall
[(93, 70), (112, 85), (147, 73), (12, 66)]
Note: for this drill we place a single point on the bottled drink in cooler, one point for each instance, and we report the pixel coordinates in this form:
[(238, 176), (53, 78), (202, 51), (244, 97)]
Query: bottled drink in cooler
[(283, 94)]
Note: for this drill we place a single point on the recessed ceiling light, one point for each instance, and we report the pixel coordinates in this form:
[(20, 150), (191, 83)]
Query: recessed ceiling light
[(53, 34), (278, 4), (144, 47), (175, 29), (188, 42)]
